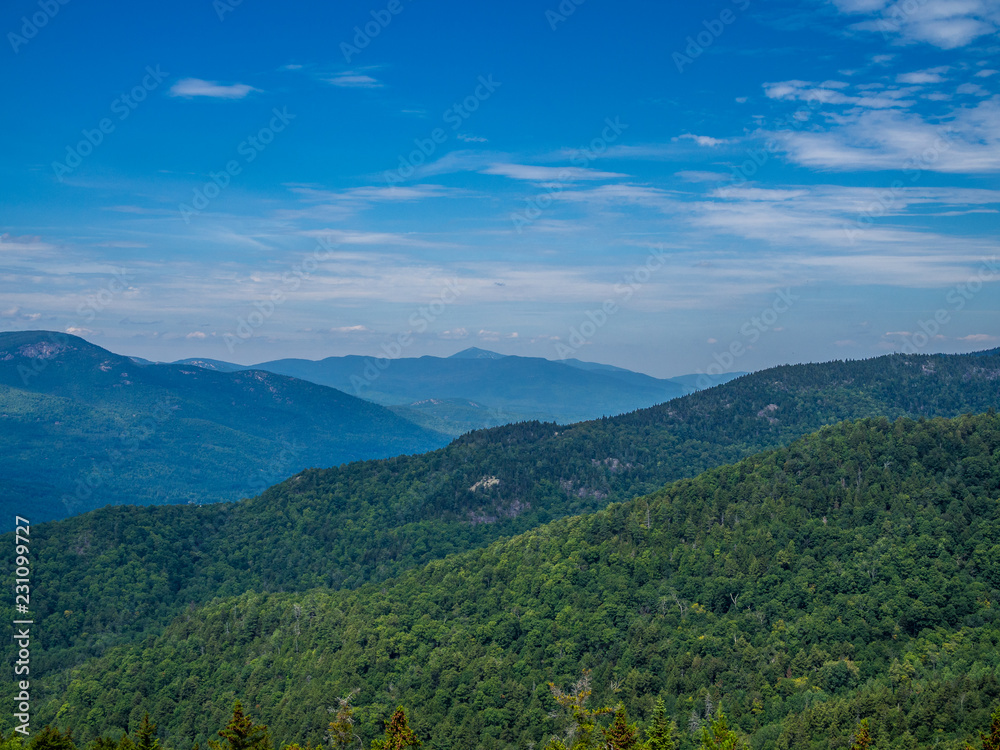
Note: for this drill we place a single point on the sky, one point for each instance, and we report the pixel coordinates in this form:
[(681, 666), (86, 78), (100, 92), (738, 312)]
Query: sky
[(668, 187)]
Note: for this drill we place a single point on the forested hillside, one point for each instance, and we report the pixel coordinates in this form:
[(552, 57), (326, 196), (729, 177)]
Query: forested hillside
[(120, 572), (81, 428), (854, 574)]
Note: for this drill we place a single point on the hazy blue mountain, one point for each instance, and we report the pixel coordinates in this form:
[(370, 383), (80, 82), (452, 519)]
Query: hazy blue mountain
[(81, 428)]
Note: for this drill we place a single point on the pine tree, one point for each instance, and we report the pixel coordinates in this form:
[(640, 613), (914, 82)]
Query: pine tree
[(862, 737), (398, 735), (620, 735), (660, 734), (720, 736), (242, 734), (52, 739), (341, 730), (145, 736)]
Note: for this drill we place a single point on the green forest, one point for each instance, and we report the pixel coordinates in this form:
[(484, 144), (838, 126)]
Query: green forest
[(852, 575), (123, 573)]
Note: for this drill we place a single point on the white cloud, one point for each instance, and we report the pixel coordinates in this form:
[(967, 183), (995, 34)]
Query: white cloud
[(196, 335), (355, 81), (979, 338), (920, 77), (947, 24), (967, 141), (548, 174), (351, 329), (191, 87), (986, 73), (702, 140)]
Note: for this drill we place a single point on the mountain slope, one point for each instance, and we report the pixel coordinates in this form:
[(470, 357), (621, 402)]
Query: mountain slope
[(853, 574), (81, 427), (123, 572)]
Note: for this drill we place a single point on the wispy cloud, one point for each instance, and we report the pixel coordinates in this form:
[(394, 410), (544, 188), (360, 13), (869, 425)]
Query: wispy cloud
[(355, 81), (192, 87), (548, 174), (948, 24)]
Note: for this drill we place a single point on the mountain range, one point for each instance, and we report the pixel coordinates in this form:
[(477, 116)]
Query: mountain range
[(476, 388), (81, 428)]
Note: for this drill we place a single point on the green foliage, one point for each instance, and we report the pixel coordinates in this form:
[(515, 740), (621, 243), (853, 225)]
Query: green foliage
[(661, 730), (242, 734), (784, 587), (621, 735), (991, 741), (50, 738), (121, 574), (718, 736), (398, 735), (862, 737)]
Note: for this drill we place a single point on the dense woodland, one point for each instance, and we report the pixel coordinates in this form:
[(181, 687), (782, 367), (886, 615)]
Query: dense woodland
[(122, 573), (584, 731), (852, 575)]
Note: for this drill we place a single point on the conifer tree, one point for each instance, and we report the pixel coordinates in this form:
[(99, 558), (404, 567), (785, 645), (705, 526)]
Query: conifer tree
[(398, 735), (242, 734), (660, 734), (145, 736), (341, 730), (720, 737), (862, 737), (620, 735)]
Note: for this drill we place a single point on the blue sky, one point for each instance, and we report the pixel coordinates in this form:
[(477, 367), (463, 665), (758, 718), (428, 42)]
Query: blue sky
[(666, 187)]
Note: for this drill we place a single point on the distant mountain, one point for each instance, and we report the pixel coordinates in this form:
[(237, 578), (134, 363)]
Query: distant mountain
[(81, 428), (501, 388), (214, 364), (474, 352)]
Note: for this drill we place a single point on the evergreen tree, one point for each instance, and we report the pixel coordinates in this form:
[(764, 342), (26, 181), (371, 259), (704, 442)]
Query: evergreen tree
[(660, 734), (862, 737), (398, 735), (341, 730), (620, 735), (52, 739), (242, 734), (720, 736), (145, 736)]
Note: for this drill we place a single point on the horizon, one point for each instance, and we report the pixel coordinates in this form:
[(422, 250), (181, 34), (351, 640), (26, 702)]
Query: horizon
[(714, 372)]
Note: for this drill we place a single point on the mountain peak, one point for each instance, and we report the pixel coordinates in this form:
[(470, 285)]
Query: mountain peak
[(474, 352)]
